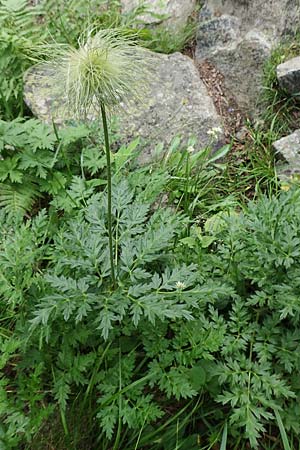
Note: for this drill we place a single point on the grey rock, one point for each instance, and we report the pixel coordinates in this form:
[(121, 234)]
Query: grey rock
[(288, 147), (177, 104), (275, 18), (243, 72), (240, 60), (288, 75), (287, 150), (173, 13), (242, 134), (217, 33), (237, 36)]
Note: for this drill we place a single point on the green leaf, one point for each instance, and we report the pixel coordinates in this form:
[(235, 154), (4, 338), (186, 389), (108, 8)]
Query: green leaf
[(206, 241), (197, 376), (93, 159), (283, 434), (224, 438), (17, 198), (218, 222), (124, 154), (39, 135), (189, 242), (9, 169), (40, 161), (62, 390), (220, 153)]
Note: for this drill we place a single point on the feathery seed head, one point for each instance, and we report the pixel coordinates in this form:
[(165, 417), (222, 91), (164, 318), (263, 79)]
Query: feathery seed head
[(108, 68)]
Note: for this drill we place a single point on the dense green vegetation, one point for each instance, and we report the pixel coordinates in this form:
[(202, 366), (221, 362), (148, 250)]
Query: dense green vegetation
[(195, 344)]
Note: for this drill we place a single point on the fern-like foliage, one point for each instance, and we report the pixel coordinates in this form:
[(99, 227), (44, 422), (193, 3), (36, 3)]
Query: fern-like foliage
[(221, 320), (79, 287), (154, 293), (19, 33), (35, 160), (17, 199), (260, 255)]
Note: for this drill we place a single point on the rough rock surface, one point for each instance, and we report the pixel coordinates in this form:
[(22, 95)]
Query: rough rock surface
[(288, 75), (177, 103), (174, 13), (237, 36), (274, 17), (288, 150)]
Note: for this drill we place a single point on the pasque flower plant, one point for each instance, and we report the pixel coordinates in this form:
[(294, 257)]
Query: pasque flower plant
[(107, 70)]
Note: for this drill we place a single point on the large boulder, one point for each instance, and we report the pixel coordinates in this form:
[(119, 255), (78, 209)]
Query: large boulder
[(276, 18), (177, 104), (174, 13), (237, 36)]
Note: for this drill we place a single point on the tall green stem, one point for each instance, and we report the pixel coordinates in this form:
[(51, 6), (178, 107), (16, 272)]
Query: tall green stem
[(109, 211)]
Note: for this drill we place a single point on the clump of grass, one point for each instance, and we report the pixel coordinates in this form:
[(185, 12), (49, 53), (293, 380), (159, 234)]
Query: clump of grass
[(253, 165), (280, 109), (164, 40), (255, 171)]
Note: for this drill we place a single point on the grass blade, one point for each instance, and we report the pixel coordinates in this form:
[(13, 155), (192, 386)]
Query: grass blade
[(224, 438), (284, 438)]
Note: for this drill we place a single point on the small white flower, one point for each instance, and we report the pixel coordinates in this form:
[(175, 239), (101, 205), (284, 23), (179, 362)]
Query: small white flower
[(215, 132), (179, 285), (190, 149)]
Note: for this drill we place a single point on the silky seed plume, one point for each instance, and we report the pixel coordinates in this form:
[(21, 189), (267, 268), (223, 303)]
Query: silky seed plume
[(108, 69)]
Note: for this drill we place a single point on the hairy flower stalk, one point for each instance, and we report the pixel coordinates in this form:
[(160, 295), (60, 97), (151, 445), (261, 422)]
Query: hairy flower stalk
[(109, 209), (107, 70)]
